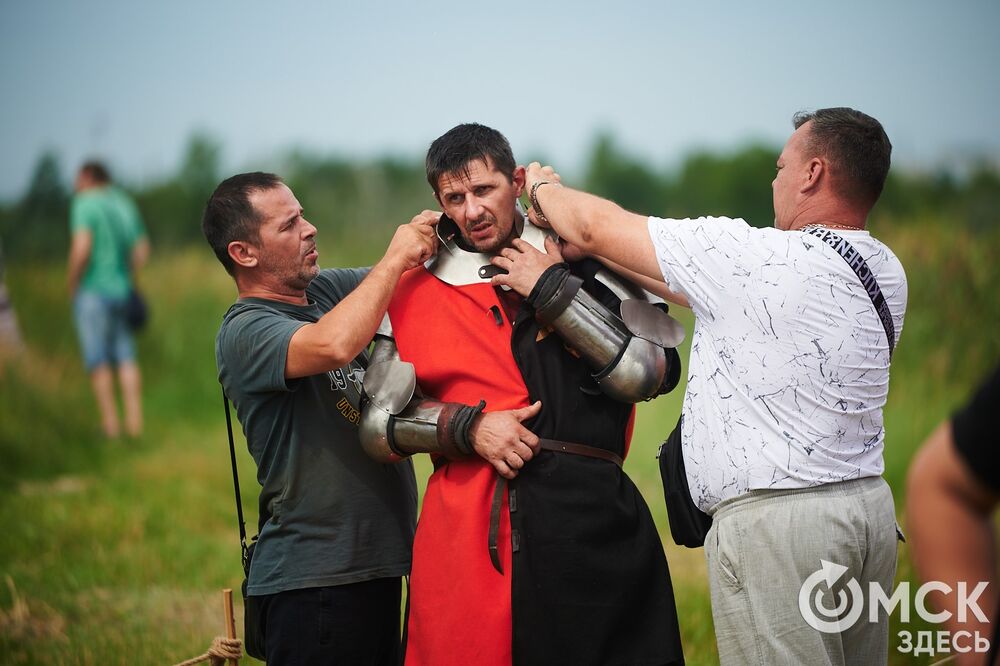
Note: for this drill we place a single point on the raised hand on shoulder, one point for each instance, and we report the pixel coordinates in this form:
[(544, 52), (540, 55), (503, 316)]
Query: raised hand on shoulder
[(414, 242), (524, 264)]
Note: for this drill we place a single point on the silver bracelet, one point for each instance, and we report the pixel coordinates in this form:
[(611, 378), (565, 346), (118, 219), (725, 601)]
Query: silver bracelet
[(533, 197)]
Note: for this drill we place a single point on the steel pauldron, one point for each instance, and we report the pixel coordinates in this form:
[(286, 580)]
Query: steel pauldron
[(629, 353)]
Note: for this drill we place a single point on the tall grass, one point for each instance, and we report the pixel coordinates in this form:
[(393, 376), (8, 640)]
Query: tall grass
[(114, 552)]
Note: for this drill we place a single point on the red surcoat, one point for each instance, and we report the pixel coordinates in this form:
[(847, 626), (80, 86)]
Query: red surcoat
[(460, 605)]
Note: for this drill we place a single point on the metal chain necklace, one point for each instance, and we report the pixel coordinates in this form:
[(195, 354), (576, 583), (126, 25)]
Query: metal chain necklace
[(829, 225)]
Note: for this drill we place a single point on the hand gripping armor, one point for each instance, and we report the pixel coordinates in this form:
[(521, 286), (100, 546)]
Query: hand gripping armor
[(628, 353), (395, 423)]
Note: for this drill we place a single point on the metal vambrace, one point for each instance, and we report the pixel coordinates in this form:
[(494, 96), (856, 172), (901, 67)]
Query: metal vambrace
[(424, 426), (628, 368), (395, 424)]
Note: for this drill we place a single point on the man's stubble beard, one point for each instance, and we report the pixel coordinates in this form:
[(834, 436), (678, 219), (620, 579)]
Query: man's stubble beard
[(495, 246), (303, 274)]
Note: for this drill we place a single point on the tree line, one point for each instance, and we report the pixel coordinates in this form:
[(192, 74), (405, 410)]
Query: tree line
[(357, 200)]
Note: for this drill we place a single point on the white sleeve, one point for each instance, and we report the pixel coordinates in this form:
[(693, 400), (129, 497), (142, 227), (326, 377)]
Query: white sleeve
[(703, 258)]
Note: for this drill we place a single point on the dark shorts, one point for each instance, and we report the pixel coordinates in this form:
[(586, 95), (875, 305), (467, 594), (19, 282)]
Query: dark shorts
[(344, 624)]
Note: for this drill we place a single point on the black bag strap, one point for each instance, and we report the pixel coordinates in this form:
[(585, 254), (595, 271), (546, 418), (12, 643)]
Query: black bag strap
[(244, 551), (868, 281)]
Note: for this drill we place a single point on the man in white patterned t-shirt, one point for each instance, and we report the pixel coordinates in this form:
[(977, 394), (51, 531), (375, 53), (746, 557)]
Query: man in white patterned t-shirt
[(782, 421)]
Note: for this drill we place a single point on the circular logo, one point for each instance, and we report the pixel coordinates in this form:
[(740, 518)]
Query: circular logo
[(848, 608)]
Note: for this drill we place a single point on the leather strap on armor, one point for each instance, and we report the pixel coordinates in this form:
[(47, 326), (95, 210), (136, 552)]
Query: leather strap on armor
[(453, 425), (553, 293)]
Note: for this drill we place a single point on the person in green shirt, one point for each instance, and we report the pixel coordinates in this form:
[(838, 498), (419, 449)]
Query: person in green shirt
[(108, 248)]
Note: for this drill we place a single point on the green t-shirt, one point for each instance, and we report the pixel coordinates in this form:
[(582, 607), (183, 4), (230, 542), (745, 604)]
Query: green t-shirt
[(329, 514), (115, 226)]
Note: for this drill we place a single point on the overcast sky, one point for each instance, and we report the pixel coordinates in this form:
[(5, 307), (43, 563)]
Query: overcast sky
[(130, 81)]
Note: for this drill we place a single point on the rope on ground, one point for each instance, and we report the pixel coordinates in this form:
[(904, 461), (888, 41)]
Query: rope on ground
[(222, 648)]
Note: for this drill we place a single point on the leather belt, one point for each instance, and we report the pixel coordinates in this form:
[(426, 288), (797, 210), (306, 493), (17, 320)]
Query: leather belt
[(581, 450), (555, 446)]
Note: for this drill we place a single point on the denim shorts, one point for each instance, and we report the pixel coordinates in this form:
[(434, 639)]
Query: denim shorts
[(105, 338)]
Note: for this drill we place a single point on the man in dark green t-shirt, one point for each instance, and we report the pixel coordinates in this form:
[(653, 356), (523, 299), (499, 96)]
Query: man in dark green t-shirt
[(335, 526)]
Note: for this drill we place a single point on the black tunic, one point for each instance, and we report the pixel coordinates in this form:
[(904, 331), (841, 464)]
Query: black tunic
[(590, 580)]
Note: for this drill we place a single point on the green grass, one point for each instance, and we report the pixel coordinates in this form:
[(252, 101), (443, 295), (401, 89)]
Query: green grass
[(115, 553)]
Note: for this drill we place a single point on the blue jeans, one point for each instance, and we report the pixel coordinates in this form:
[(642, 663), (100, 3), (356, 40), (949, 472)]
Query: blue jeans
[(105, 338)]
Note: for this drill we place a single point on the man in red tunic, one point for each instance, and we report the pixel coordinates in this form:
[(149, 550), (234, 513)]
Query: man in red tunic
[(555, 560)]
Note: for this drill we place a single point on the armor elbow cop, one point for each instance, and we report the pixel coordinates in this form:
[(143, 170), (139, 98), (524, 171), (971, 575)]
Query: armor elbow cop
[(633, 355), (396, 423)]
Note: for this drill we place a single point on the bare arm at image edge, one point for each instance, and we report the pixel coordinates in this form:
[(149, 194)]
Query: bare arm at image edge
[(952, 538)]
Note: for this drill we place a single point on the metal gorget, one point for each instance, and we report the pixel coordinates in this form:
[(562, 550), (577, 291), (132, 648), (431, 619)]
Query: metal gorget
[(456, 266)]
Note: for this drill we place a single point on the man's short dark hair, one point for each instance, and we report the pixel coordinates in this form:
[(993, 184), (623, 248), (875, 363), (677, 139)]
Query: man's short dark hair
[(855, 145), (452, 151), (229, 216), (96, 171)]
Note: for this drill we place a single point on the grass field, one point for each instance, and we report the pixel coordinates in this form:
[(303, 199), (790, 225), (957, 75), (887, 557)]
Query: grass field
[(114, 553)]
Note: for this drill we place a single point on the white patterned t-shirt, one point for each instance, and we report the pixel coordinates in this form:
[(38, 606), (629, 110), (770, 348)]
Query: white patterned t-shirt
[(789, 365)]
